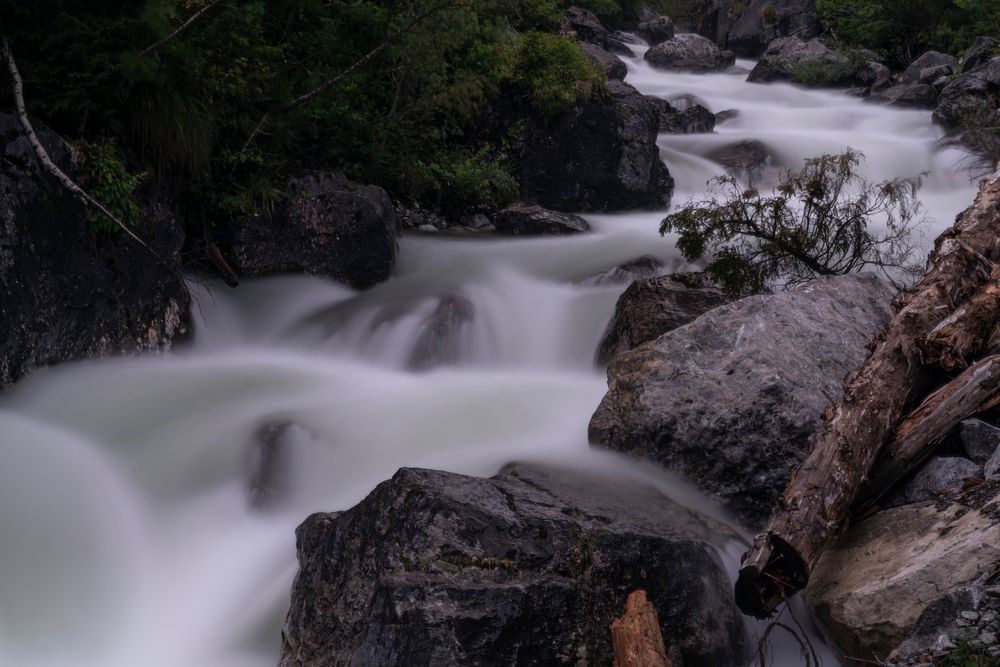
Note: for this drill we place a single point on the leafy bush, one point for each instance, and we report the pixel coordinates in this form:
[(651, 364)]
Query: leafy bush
[(815, 222), (551, 72), (110, 183)]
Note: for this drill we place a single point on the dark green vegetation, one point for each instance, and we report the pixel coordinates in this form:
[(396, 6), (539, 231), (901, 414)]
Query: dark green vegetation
[(816, 222), (210, 116), (901, 30)]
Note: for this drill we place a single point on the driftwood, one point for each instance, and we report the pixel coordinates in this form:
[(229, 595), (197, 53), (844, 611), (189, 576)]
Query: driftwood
[(876, 399), (973, 391), (962, 335), (636, 635)]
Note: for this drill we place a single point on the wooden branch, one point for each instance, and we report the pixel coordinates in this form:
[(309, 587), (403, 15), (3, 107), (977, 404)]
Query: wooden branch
[(636, 635), (184, 26), (823, 488), (924, 428), (222, 266), (43, 157), (962, 335)]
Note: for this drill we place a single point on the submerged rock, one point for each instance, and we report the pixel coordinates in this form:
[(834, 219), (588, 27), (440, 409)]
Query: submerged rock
[(526, 568), (439, 340), (528, 220), (913, 95), (651, 307), (872, 585), (636, 269), (269, 463), (599, 156), (691, 119), (743, 158), (67, 290), (689, 52), (328, 226), (731, 399)]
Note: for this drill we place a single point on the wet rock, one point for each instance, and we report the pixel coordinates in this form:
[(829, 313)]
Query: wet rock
[(689, 52), (963, 100), (640, 267), (925, 68), (656, 30), (992, 468), (873, 584), (912, 95), (807, 62), (439, 341), (651, 307), (526, 568), (742, 158), (872, 77), (981, 51), (940, 474), (693, 119), (68, 291), (731, 399), (328, 226), (726, 115), (587, 28), (612, 65), (600, 156), (269, 463), (979, 439), (529, 220), (761, 21)]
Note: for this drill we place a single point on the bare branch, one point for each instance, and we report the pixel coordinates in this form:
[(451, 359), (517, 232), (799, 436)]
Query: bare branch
[(181, 28)]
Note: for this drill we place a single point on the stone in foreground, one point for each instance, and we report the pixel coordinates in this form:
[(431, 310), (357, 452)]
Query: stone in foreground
[(527, 568), (731, 399)]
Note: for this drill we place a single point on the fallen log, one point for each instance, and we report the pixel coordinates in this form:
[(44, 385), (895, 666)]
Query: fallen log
[(923, 429), (964, 334), (636, 635), (826, 484)]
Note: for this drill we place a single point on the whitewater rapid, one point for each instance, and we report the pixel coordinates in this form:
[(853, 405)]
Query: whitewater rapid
[(125, 533)]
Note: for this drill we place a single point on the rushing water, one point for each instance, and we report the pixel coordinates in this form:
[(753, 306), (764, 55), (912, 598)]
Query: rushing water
[(125, 533)]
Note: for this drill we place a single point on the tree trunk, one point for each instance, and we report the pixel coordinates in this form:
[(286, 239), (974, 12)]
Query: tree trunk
[(826, 484), (962, 335), (636, 635)]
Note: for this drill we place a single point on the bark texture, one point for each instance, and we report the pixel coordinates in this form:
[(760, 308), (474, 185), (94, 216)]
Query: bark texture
[(636, 635)]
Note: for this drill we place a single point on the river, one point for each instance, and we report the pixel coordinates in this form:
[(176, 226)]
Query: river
[(125, 533)]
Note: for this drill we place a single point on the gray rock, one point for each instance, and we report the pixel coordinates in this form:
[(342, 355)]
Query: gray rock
[(68, 291), (527, 568), (646, 266), (761, 21), (742, 158), (600, 156), (968, 95), (992, 468), (439, 340), (651, 307), (981, 51), (656, 30), (939, 475), (692, 119), (906, 572), (731, 399), (529, 220), (873, 77), (586, 26), (912, 95), (787, 55), (689, 52), (914, 73), (613, 66), (269, 463), (979, 439), (328, 226), (726, 115)]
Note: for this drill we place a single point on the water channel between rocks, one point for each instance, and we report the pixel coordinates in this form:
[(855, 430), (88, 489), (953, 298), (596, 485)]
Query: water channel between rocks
[(125, 533)]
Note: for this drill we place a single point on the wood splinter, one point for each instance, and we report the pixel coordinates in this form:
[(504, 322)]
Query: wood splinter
[(636, 635)]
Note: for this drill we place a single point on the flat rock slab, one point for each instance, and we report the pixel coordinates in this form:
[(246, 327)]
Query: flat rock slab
[(731, 399), (526, 568)]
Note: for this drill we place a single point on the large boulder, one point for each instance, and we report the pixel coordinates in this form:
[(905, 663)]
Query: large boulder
[(613, 66), (912, 95), (762, 21), (599, 156), (651, 307), (691, 119), (873, 584), (656, 30), (807, 62), (982, 49), (972, 93), (929, 67), (689, 52), (327, 226), (67, 290), (587, 28), (731, 399), (527, 568)]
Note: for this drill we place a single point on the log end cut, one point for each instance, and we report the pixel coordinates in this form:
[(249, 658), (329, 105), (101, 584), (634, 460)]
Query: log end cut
[(772, 572)]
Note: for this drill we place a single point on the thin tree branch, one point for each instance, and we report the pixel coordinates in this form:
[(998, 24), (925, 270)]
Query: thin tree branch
[(184, 26), (52, 167)]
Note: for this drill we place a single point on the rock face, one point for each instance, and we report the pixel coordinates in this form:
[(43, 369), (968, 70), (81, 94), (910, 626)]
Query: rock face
[(527, 568), (600, 156), (764, 20), (527, 220), (651, 307), (874, 583), (328, 226), (587, 28), (656, 30), (693, 119), (786, 58), (689, 52), (68, 291), (979, 53), (929, 67), (613, 66), (731, 399)]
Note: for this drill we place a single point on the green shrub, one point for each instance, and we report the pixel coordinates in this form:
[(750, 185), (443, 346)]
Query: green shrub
[(551, 72), (111, 184)]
